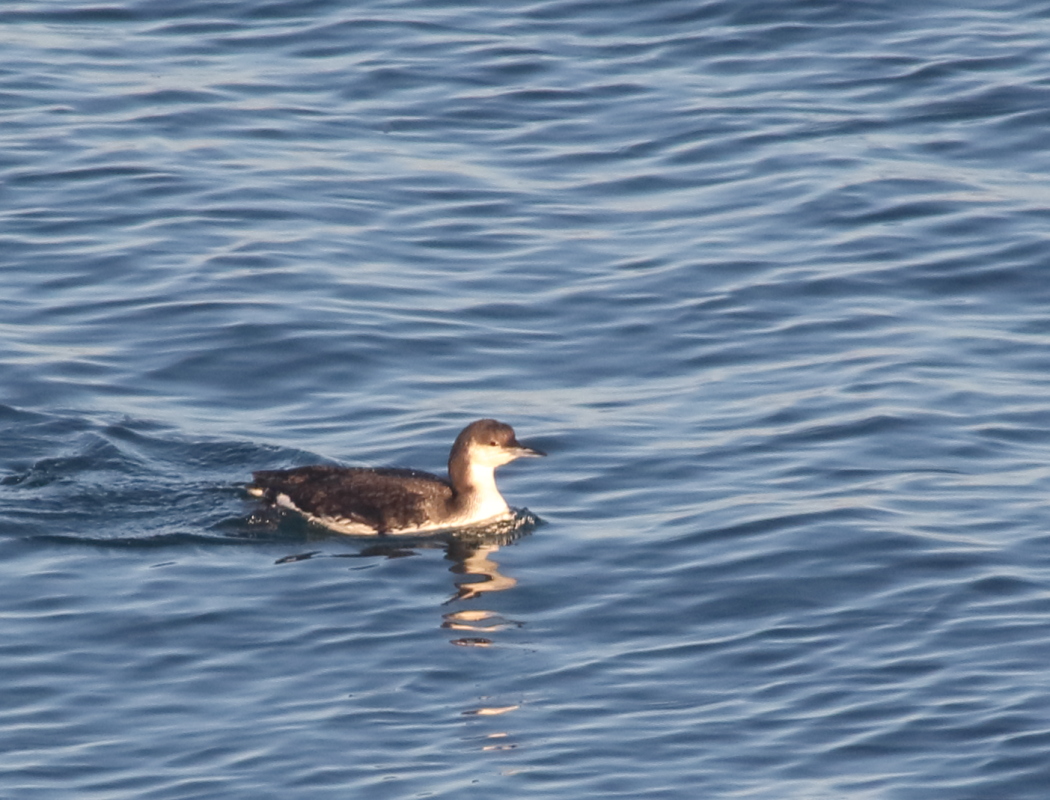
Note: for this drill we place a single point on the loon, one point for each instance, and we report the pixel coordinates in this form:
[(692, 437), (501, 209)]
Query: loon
[(358, 500)]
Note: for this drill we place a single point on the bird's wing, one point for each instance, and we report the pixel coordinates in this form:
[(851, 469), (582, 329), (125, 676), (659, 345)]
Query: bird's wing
[(384, 499)]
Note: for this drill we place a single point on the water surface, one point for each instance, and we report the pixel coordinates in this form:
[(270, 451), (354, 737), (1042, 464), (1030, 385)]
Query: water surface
[(765, 280)]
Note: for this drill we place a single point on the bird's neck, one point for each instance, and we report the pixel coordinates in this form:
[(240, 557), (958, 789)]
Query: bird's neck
[(475, 492)]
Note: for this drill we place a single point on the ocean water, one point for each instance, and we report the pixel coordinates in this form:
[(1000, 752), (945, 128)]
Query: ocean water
[(767, 280)]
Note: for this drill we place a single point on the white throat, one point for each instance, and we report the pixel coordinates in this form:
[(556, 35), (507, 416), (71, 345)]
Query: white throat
[(485, 499)]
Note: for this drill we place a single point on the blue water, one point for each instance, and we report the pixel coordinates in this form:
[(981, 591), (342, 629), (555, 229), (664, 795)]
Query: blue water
[(767, 280)]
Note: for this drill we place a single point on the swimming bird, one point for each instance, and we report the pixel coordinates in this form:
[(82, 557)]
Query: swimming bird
[(358, 500)]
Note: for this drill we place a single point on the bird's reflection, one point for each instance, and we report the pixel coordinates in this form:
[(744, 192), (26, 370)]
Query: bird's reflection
[(471, 553), (477, 573), (473, 560)]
